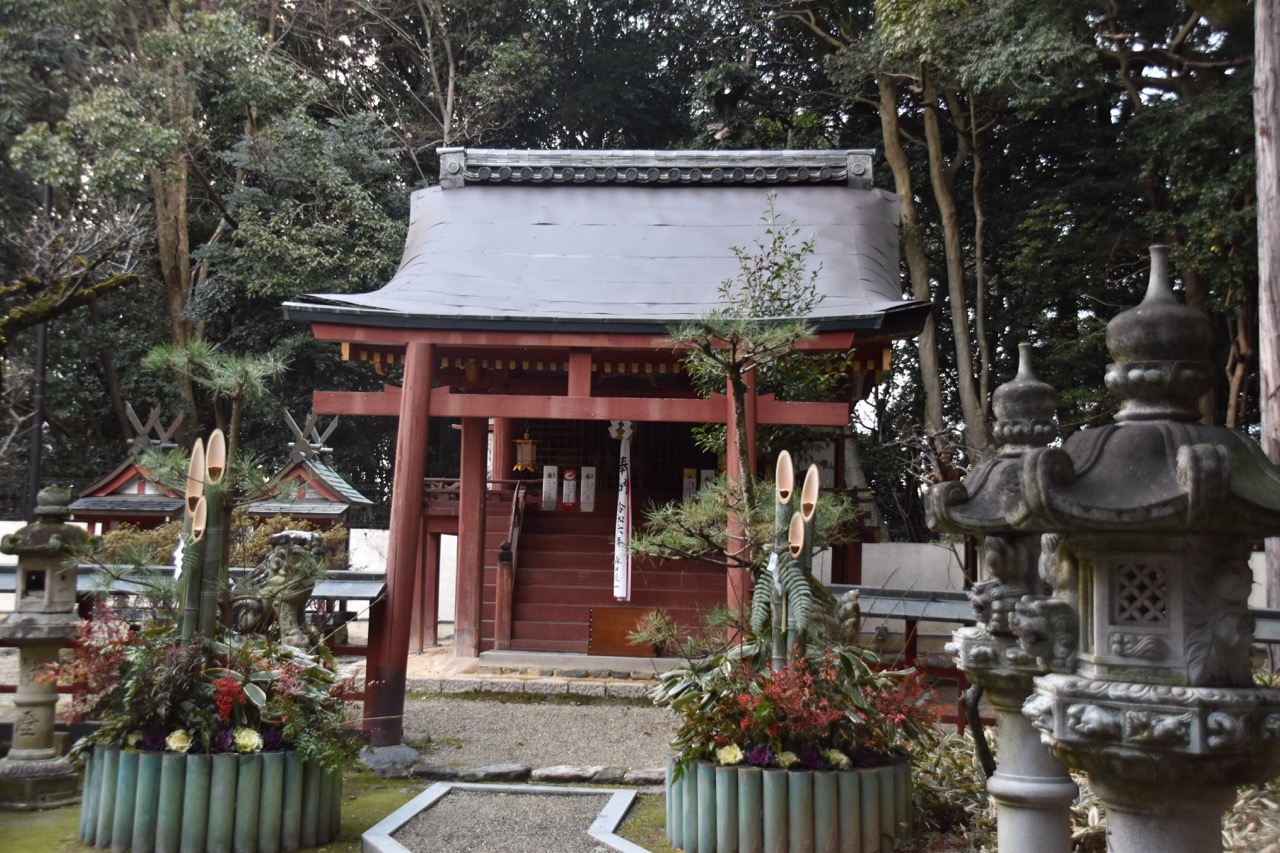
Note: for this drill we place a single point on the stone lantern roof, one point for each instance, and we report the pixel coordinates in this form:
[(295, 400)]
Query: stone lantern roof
[(1024, 409), (1157, 468)]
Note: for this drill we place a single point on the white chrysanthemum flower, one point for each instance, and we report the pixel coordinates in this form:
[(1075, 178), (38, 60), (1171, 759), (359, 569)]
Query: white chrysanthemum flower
[(247, 740), (179, 741), (729, 755)]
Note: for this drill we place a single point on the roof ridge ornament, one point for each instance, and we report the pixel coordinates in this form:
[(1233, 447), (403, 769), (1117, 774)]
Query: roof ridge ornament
[(460, 166), (308, 441), (142, 439)]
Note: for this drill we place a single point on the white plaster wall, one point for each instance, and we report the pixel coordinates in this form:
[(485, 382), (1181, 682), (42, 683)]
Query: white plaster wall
[(912, 565), (369, 554), (1258, 594)]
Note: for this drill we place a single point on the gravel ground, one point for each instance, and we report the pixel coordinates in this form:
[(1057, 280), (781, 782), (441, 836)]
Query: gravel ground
[(467, 733), (504, 823)]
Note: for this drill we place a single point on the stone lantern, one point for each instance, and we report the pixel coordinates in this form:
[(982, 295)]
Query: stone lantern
[(34, 774), (1155, 515), (1031, 790)]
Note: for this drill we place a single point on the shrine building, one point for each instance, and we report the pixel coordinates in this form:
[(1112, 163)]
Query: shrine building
[(534, 304)]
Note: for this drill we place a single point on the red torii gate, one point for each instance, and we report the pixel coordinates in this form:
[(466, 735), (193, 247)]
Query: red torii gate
[(419, 399)]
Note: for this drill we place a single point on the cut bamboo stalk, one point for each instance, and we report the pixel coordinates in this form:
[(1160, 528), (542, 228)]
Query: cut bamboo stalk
[(775, 811), (146, 807), (706, 807), (222, 794), (291, 813), (726, 808), (271, 803), (800, 811), (195, 803), (750, 809), (826, 814), (244, 837), (173, 777)]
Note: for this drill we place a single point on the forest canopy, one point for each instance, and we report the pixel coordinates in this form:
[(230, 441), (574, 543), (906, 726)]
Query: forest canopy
[(207, 160)]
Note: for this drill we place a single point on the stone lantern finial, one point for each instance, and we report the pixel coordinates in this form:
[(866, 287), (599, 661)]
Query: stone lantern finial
[(1162, 351), (1024, 408)]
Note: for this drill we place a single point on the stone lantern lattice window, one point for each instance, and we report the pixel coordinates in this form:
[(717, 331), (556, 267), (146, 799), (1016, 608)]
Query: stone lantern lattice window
[(1141, 594)]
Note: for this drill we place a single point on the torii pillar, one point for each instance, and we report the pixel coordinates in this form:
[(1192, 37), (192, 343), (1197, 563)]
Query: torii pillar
[(389, 653)]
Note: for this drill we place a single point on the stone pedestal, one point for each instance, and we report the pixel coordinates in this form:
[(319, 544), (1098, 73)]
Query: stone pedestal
[(1165, 760), (1032, 791)]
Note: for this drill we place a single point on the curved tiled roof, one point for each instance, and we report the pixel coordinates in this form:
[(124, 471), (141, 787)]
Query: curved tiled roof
[(543, 248)]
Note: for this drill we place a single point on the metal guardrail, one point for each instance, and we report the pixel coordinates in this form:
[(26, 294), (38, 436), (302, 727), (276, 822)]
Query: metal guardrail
[(337, 585), (924, 605)]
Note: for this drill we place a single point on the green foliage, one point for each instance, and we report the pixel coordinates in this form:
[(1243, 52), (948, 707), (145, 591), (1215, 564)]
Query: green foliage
[(695, 528), (950, 793), (781, 580), (832, 710), (129, 547), (657, 630), (763, 310), (154, 693)]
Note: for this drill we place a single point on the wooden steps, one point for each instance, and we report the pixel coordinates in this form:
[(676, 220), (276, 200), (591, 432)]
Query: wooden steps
[(565, 570)]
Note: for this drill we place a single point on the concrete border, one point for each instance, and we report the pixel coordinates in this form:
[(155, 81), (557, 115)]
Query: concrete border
[(378, 839)]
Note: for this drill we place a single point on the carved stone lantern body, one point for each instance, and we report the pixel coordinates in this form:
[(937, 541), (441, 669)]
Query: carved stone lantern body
[(34, 774), (1154, 516), (1031, 790)]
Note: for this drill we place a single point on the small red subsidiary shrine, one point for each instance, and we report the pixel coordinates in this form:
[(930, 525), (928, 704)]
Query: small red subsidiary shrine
[(536, 293)]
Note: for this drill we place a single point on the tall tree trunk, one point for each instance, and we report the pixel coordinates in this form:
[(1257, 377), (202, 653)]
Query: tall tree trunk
[(942, 178), (1266, 111), (109, 375), (913, 251), (980, 269)]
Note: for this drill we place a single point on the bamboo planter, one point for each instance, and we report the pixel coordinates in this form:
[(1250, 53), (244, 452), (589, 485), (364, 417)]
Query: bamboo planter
[(266, 802), (714, 809)]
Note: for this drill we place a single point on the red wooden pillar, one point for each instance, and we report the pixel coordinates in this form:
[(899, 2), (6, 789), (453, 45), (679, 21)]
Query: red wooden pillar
[(385, 676), (431, 589), (426, 597), (504, 448), (472, 489)]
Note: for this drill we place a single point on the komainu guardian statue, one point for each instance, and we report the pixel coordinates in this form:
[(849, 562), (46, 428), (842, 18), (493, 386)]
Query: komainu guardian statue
[(270, 600)]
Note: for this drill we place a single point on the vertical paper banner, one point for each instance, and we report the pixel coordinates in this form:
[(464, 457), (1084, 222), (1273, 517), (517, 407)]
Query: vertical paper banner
[(569, 490), (707, 477), (622, 430), (690, 482), (588, 503), (550, 486)]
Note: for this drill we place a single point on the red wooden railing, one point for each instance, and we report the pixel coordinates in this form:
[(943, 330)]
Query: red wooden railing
[(508, 558)]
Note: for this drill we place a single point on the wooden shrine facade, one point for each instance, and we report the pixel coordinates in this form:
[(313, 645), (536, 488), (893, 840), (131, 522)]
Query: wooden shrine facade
[(539, 286)]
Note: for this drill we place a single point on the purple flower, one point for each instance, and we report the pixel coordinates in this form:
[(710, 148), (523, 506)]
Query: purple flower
[(760, 756), (152, 740), (273, 740), (223, 741), (864, 757), (810, 758)]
